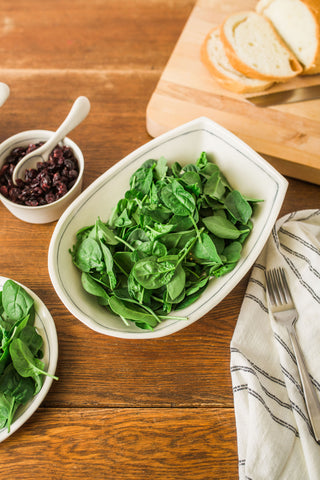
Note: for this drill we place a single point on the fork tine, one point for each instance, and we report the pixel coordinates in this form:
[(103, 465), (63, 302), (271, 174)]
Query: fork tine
[(270, 288), (286, 286), (277, 286)]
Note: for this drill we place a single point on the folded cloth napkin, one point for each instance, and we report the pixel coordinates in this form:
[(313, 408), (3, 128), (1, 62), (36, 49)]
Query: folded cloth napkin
[(275, 438)]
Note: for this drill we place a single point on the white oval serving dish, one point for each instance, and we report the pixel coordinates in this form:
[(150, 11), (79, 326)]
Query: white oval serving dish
[(246, 171)]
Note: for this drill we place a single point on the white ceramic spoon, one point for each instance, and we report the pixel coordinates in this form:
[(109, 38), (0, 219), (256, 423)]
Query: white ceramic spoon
[(4, 93), (78, 112)]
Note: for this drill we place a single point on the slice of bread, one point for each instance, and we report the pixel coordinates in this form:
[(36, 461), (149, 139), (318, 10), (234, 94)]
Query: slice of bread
[(255, 49), (297, 22), (215, 59)]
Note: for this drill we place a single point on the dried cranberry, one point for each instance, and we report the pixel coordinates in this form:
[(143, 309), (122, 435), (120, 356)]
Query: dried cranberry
[(50, 197), (37, 191), (32, 202), (40, 165), (8, 179), (4, 190), (61, 189), (48, 182), (20, 183), (56, 178), (30, 148), (29, 175), (14, 193), (65, 172), (67, 152), (69, 163), (18, 152), (35, 182), (51, 166), (45, 183), (4, 168), (11, 168), (73, 173)]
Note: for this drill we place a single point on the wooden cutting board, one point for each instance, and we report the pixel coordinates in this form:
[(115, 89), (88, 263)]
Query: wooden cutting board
[(288, 136)]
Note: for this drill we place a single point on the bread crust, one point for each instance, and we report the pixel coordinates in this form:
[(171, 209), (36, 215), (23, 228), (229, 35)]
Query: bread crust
[(242, 67), (225, 81), (314, 7)]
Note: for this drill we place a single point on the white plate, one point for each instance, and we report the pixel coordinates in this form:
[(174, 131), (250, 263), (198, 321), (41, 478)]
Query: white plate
[(246, 171), (46, 328)]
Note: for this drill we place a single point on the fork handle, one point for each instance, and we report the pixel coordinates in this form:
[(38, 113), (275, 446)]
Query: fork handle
[(311, 399)]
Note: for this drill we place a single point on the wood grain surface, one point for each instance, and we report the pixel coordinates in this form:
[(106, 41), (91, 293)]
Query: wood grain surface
[(121, 410), (186, 90)]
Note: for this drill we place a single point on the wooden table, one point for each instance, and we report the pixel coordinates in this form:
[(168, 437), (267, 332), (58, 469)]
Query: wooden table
[(158, 409)]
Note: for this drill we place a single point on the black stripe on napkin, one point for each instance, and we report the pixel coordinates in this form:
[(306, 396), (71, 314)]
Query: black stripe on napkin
[(301, 257), (258, 397), (309, 245), (237, 368), (257, 300), (301, 281), (259, 369)]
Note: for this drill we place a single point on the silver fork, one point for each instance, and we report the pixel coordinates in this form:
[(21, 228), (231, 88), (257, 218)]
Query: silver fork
[(284, 311)]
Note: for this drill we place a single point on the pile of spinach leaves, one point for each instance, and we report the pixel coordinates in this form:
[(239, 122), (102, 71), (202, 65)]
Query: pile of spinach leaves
[(173, 231), (21, 368)]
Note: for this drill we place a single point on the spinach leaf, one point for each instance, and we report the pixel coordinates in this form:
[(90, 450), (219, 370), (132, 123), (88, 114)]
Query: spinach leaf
[(205, 251), (177, 199), (4, 358), (137, 314), (239, 208), (152, 274), (161, 168), (174, 230), (13, 384), (214, 186), (192, 180), (221, 227), (16, 301), (123, 219), (108, 265), (93, 287), (104, 233), (8, 407), (202, 160), (88, 255), (32, 339), (142, 179), (232, 252), (26, 364), (177, 284)]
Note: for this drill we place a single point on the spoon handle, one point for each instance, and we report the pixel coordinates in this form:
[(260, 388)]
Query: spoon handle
[(4, 93), (77, 114)]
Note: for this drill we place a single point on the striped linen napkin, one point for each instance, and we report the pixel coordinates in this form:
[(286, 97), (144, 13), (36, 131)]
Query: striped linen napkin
[(275, 439)]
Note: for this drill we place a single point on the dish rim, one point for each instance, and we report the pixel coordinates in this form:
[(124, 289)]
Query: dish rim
[(51, 343), (164, 329)]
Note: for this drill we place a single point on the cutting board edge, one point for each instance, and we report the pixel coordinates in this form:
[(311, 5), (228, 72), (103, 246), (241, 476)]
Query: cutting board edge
[(284, 165)]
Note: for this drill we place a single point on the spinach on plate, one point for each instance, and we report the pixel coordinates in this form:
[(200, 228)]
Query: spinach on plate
[(21, 367), (175, 229)]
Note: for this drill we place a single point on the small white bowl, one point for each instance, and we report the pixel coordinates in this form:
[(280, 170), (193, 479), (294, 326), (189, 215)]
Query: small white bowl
[(52, 211), (246, 171), (46, 328)]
